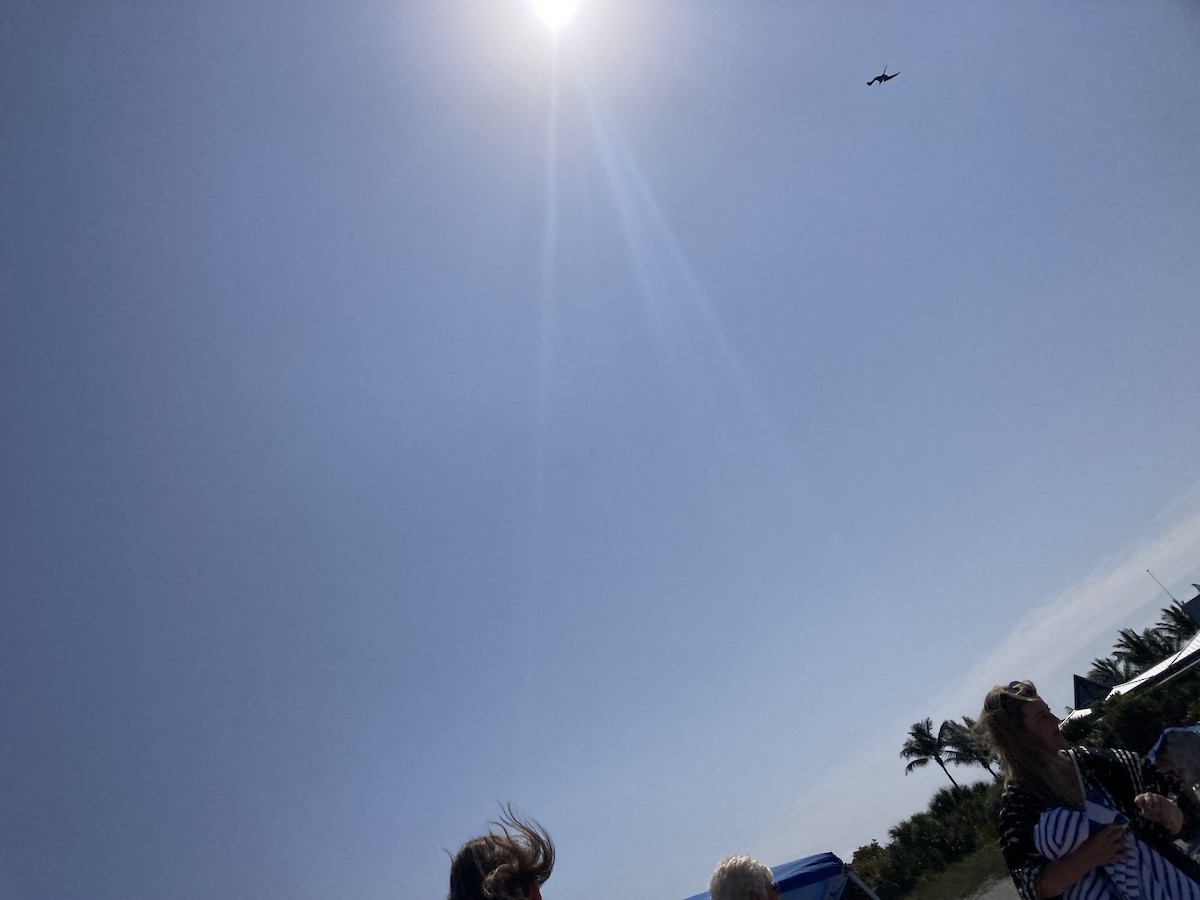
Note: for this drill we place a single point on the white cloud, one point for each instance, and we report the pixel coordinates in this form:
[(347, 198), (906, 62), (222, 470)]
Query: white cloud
[(1056, 638)]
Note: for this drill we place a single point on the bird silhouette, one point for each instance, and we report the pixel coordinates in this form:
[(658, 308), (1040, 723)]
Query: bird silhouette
[(882, 78)]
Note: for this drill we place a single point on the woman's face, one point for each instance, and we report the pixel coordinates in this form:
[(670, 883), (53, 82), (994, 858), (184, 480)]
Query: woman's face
[(1042, 725)]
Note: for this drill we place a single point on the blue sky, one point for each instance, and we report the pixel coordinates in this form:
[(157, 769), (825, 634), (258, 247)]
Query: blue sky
[(406, 409)]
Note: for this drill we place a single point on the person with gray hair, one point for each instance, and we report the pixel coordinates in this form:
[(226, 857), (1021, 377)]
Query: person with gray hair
[(742, 878)]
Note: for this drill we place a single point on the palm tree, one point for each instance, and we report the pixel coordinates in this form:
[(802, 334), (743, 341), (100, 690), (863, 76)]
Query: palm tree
[(946, 800), (964, 747), (1141, 650), (922, 746), (1109, 671), (1176, 626)]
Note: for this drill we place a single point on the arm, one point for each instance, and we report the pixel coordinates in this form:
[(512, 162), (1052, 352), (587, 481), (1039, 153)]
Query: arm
[(1153, 801), (1035, 876), (1100, 849), (1157, 808), (1019, 811)]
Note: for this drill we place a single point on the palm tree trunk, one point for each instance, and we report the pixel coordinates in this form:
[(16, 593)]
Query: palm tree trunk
[(947, 771), (984, 763)]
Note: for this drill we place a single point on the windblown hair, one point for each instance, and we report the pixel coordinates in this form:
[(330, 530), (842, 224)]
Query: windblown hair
[(1025, 761), (740, 878), (503, 864)]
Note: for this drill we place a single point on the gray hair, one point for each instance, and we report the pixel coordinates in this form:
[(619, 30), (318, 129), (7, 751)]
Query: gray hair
[(741, 878)]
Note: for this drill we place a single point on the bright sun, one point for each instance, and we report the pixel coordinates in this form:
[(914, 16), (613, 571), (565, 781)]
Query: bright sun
[(555, 12)]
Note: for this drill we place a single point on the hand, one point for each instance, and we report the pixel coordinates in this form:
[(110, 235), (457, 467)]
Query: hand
[(1104, 847), (1157, 808)]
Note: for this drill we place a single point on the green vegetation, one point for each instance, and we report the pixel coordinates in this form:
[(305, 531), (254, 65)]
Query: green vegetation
[(960, 821), (1135, 722), (955, 742), (963, 878), (924, 746), (1134, 652)]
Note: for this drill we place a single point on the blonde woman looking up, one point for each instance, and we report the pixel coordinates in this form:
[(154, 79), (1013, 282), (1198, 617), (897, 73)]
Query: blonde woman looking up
[(1088, 824)]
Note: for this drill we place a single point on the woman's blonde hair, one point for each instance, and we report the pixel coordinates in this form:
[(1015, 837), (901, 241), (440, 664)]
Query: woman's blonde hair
[(1025, 761)]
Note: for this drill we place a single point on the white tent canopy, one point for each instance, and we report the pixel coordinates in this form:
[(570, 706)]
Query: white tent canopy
[(1175, 664)]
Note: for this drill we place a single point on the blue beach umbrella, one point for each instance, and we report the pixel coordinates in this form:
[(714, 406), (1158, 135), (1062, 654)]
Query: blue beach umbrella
[(820, 877)]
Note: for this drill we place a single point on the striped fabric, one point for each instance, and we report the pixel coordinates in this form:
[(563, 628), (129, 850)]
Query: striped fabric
[(1142, 875)]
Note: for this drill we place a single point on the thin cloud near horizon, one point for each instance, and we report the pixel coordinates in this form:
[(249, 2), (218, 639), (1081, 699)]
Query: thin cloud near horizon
[(1047, 643), (1062, 630)]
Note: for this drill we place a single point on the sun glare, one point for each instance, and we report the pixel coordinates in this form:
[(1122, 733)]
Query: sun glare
[(555, 13)]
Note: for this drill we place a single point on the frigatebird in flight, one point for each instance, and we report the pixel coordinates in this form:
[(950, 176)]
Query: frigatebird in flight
[(882, 78)]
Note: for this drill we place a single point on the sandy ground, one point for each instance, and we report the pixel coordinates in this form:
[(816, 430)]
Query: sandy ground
[(999, 889)]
